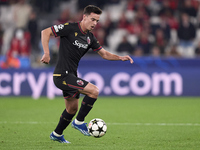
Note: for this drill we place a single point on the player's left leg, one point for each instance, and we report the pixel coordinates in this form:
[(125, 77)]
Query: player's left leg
[(91, 93)]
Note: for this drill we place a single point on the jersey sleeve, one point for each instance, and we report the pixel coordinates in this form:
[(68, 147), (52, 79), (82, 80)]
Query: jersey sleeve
[(95, 44), (61, 29)]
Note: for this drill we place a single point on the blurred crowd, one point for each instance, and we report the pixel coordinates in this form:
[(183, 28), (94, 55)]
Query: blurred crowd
[(157, 28)]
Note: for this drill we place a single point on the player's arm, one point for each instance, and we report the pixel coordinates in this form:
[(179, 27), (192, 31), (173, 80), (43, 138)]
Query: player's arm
[(45, 36), (109, 56)]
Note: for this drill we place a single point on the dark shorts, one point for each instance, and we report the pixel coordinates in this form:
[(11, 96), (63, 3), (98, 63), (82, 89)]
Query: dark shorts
[(69, 84)]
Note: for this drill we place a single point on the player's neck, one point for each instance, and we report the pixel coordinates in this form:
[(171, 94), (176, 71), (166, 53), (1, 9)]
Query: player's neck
[(82, 27)]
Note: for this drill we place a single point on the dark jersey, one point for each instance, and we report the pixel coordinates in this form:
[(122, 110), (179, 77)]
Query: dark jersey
[(74, 43)]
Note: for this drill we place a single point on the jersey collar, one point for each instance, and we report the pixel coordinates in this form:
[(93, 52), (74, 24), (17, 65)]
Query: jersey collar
[(80, 28)]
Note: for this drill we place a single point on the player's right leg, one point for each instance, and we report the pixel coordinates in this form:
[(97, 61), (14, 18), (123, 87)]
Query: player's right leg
[(55, 137), (71, 97), (67, 115), (65, 119)]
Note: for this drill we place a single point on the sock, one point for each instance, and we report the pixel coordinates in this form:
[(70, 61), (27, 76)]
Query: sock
[(86, 106), (58, 135), (78, 122), (65, 120)]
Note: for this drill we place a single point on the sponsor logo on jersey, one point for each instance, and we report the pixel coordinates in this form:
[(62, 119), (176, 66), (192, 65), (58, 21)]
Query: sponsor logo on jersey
[(80, 82), (88, 40), (76, 33), (80, 45)]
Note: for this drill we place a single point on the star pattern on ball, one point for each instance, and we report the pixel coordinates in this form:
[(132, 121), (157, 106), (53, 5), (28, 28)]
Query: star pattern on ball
[(97, 128), (90, 130), (100, 129), (94, 121)]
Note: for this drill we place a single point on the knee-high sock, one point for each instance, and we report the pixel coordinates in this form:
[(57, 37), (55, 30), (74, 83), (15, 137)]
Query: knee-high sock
[(65, 120), (86, 106)]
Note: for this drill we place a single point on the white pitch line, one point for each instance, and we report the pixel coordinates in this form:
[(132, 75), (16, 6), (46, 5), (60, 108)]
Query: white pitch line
[(124, 124), (156, 124), (22, 122)]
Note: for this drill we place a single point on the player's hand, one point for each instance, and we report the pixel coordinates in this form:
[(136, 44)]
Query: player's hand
[(125, 58), (45, 58)]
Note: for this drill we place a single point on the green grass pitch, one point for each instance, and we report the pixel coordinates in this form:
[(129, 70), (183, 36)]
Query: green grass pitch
[(134, 123)]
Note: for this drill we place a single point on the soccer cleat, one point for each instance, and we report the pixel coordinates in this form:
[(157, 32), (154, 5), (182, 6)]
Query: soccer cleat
[(59, 139), (82, 128)]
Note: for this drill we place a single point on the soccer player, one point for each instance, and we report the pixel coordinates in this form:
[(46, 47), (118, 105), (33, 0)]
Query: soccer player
[(75, 40)]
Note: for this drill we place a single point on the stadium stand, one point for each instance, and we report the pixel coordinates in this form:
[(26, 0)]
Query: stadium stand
[(145, 23)]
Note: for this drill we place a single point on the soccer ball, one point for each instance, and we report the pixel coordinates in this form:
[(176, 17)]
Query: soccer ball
[(97, 127)]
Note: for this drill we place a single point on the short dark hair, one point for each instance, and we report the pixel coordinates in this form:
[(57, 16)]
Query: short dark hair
[(92, 9)]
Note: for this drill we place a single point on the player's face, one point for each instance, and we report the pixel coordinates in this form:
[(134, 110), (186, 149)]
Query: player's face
[(91, 21)]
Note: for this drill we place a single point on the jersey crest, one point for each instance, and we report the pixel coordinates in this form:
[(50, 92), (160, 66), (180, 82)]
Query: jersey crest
[(88, 40), (80, 82), (76, 33)]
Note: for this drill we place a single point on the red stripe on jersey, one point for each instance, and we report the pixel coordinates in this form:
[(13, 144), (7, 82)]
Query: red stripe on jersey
[(77, 87), (54, 32), (98, 49), (80, 28)]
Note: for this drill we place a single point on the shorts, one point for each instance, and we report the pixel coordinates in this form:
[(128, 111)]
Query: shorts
[(69, 84)]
